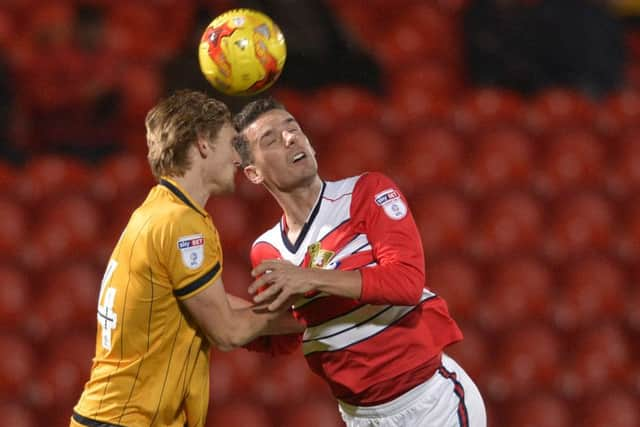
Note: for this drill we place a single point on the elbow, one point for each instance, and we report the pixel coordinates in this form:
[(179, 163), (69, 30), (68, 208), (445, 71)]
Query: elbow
[(229, 341), (415, 295)]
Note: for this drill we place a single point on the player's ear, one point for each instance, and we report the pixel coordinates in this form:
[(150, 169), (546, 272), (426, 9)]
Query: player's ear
[(253, 174), (203, 146)]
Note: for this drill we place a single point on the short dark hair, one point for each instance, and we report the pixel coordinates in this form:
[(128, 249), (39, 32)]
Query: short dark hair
[(253, 110), (244, 118)]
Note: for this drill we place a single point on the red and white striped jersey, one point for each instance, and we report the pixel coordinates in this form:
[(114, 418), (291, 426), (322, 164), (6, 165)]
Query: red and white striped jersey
[(373, 349)]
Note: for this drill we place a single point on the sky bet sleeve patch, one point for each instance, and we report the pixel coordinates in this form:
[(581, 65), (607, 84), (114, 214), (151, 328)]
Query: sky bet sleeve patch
[(392, 203), (192, 250)]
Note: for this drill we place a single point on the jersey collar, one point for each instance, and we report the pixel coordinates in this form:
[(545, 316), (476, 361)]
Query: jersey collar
[(177, 191), (293, 247)]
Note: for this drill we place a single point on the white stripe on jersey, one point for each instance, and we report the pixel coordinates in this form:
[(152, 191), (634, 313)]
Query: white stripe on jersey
[(304, 301), (358, 325), (359, 244)]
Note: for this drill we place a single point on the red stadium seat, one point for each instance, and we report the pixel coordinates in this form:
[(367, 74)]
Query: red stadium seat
[(8, 177), (474, 353), (420, 32), (629, 237), (553, 109), (443, 219), (7, 28), (593, 289), (286, 384), (52, 176), (520, 290), (79, 216), (80, 283), (239, 372), (355, 150), (502, 158), (16, 366), (632, 312), (236, 273), (433, 77), (430, 156), (511, 223), (142, 85), (632, 74), (130, 31), (48, 243), (618, 112), (320, 413), (232, 218), (456, 280), (487, 108), (293, 100), (580, 223), (573, 159), (600, 357), (62, 374), (541, 411), (411, 107), (13, 228), (51, 23), (16, 414), (15, 297), (52, 314), (239, 413), (527, 361), (338, 105), (612, 409), (624, 178), (121, 177)]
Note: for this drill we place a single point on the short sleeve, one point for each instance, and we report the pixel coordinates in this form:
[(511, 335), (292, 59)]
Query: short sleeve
[(195, 254)]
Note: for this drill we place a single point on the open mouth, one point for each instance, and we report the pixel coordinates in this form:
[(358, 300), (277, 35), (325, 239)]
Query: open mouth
[(298, 157)]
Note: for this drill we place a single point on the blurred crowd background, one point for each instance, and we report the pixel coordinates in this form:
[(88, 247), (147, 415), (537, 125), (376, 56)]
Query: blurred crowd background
[(511, 126)]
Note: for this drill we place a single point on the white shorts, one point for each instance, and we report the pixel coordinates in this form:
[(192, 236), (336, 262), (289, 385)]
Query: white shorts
[(448, 399)]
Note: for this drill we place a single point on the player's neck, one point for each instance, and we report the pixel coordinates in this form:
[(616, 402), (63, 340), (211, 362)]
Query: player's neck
[(298, 204), (194, 187)]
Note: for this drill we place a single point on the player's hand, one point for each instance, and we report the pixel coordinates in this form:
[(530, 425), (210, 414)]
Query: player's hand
[(280, 282)]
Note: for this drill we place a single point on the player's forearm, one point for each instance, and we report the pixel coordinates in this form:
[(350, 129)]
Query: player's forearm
[(248, 324), (237, 302), (347, 284)]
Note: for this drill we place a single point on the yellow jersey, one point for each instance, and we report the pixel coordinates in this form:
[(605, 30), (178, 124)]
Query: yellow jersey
[(152, 361)]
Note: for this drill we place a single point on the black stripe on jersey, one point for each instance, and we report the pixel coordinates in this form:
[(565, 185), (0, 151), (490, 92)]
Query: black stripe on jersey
[(354, 326), (135, 380), (91, 422), (412, 311), (198, 283), (179, 194), (293, 247), (166, 374), (185, 367), (124, 305)]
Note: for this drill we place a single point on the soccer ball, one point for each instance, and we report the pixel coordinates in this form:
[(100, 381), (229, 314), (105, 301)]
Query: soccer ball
[(242, 52)]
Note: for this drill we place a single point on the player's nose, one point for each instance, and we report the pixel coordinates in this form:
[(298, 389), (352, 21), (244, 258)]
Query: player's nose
[(288, 137)]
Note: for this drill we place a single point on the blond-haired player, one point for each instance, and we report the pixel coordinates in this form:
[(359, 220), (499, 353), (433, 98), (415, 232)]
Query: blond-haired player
[(162, 300)]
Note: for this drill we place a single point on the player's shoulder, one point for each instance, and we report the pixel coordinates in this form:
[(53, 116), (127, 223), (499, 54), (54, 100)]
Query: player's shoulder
[(267, 245), (270, 236), (170, 218), (373, 179), (372, 183)]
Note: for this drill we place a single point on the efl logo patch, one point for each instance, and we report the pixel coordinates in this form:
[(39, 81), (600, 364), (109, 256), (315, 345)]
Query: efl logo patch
[(392, 203), (192, 250)]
